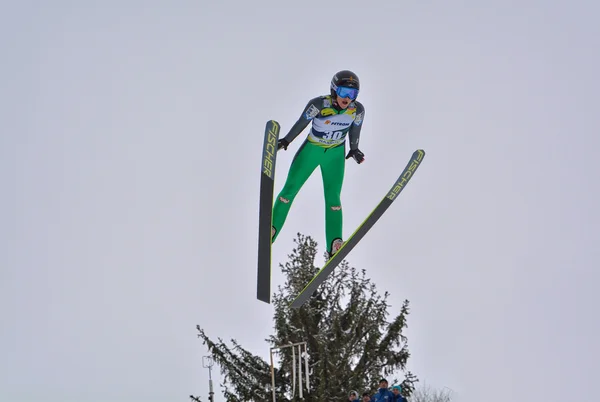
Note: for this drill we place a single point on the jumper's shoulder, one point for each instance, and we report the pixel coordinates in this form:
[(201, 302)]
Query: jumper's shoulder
[(360, 108), (314, 107), (321, 101), (360, 113)]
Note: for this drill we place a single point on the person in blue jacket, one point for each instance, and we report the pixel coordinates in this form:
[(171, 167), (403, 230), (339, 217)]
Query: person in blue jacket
[(396, 390), (383, 394)]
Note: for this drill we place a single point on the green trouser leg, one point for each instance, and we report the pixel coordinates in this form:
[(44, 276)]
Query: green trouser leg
[(332, 164), (332, 171)]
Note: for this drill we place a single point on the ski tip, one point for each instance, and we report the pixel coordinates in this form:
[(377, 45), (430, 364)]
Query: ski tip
[(273, 128), (418, 155)]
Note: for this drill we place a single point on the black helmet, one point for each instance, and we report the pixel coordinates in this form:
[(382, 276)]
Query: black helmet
[(344, 78)]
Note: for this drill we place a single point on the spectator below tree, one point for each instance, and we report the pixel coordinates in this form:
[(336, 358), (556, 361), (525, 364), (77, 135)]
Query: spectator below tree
[(383, 394), (397, 392)]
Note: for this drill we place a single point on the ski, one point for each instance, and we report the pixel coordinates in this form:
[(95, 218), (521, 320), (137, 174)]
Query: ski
[(265, 213), (362, 229)]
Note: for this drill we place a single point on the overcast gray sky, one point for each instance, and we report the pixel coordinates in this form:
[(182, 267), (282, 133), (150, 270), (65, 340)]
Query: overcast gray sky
[(129, 158)]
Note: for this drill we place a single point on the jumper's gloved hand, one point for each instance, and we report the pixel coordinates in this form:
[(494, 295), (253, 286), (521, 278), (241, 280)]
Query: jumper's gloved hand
[(282, 143), (358, 156)]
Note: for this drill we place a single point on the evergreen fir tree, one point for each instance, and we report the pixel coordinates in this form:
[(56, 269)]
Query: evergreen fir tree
[(351, 343)]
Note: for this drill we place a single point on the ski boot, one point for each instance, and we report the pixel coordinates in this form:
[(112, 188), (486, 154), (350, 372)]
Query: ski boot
[(336, 244)]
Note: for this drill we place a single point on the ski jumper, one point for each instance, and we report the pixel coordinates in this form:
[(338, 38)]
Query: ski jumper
[(323, 147)]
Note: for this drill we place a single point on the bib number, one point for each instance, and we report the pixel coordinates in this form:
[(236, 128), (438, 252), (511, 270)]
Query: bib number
[(333, 135)]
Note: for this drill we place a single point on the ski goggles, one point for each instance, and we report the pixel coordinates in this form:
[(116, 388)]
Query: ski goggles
[(345, 92)]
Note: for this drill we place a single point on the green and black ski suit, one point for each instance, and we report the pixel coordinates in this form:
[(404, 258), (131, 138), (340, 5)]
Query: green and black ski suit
[(323, 147)]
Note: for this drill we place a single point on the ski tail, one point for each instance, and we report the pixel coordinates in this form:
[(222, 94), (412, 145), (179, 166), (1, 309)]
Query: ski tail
[(265, 214), (362, 229)]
